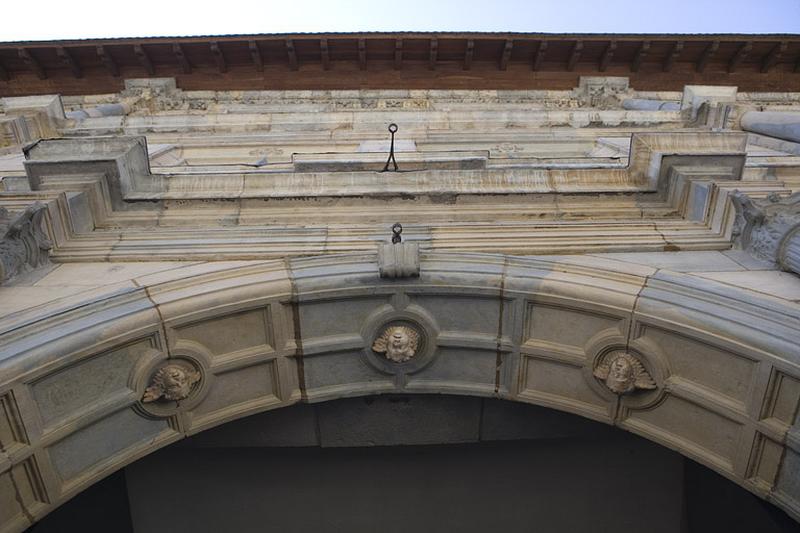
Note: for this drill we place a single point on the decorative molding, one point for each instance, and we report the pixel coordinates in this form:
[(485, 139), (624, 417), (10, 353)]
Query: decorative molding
[(769, 229), (23, 244)]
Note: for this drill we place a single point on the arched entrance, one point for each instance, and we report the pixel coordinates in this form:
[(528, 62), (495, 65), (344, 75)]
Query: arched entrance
[(101, 380), (420, 462)]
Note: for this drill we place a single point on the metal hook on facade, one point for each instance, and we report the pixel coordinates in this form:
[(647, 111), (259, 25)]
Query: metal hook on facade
[(397, 229), (392, 130)]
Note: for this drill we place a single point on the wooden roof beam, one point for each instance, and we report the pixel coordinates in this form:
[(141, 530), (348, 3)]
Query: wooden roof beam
[(538, 57), (32, 63), (324, 54), (740, 56), (673, 56), (708, 53), (575, 55), (219, 57), (255, 55), (641, 53), (177, 49), (434, 54), (506, 55), (774, 56), (108, 61), (607, 56), (469, 51), (143, 58), (67, 59), (362, 54), (292, 54), (398, 54)]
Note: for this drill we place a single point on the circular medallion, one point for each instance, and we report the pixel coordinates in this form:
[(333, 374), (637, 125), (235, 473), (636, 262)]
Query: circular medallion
[(400, 342)]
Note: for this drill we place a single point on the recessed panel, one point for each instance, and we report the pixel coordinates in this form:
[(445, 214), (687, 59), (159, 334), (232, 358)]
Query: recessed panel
[(570, 327), (90, 381), (714, 368), (231, 333)]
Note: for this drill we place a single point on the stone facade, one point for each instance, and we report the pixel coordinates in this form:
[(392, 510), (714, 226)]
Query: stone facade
[(220, 254)]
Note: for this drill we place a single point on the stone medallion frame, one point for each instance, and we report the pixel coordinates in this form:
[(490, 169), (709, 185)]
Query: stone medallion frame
[(412, 316), (603, 345), (187, 354)]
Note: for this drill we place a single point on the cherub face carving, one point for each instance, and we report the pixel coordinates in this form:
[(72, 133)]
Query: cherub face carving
[(397, 343), (623, 373), (172, 382)]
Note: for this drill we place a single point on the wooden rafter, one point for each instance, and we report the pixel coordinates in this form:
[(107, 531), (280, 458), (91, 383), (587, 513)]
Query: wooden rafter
[(608, 55), (219, 57), (575, 55), (434, 53), (398, 54), (468, 53), (255, 55), (774, 56), (362, 54), (324, 54), (66, 58), (740, 55), (538, 57), (177, 49), (506, 55), (108, 61), (32, 63), (673, 56), (144, 59), (708, 53), (292, 54), (641, 53)]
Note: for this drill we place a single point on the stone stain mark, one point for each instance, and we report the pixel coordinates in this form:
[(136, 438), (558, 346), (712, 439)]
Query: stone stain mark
[(298, 337), (501, 318), (160, 316), (668, 246), (784, 451), (18, 497)]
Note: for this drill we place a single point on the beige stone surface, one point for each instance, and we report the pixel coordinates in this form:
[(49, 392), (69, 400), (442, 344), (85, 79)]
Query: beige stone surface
[(216, 254)]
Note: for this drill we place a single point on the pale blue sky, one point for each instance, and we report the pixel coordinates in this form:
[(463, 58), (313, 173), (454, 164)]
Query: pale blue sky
[(68, 19)]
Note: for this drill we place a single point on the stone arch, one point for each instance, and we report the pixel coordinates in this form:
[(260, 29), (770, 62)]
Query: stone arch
[(723, 389)]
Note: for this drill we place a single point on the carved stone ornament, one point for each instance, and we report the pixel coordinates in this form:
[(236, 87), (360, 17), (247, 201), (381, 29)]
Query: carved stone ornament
[(764, 227), (623, 373), (23, 244), (172, 382), (602, 92), (397, 343)]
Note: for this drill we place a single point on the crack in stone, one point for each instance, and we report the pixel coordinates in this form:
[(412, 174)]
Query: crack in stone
[(160, 316)]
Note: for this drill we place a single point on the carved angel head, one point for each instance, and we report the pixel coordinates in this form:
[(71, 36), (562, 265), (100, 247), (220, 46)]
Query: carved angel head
[(171, 382), (622, 373), (398, 343)]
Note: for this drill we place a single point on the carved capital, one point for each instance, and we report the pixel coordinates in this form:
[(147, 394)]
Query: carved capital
[(767, 228), (23, 244)]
